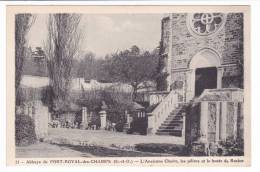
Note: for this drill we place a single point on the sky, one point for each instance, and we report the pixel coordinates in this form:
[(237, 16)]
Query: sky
[(108, 33)]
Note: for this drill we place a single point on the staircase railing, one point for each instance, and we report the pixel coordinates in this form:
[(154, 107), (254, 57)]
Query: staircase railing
[(162, 111)]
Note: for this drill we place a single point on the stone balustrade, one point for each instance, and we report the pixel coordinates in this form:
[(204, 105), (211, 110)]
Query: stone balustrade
[(161, 112)]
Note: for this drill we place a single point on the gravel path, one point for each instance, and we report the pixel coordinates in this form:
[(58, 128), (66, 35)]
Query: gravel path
[(45, 150), (62, 142)]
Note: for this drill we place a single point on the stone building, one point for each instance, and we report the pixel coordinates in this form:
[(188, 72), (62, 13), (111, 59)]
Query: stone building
[(203, 47), (203, 57)]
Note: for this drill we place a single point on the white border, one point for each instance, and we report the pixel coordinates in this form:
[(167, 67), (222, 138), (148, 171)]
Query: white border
[(255, 64)]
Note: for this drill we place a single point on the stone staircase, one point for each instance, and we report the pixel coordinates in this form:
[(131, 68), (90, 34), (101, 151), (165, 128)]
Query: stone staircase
[(173, 124)]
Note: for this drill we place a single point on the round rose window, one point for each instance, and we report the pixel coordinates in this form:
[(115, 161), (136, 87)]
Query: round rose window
[(206, 23)]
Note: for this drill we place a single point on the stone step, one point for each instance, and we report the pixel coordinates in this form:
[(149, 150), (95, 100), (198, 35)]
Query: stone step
[(173, 124), (172, 121), (174, 117), (178, 133), (175, 112), (170, 126), (177, 129)]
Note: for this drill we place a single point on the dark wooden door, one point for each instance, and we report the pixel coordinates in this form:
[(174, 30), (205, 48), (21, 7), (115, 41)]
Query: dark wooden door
[(206, 78)]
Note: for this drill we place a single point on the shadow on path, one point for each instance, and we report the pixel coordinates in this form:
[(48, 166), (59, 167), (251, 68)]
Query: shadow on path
[(100, 151)]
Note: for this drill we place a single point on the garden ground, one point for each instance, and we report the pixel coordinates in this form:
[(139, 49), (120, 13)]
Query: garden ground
[(62, 142)]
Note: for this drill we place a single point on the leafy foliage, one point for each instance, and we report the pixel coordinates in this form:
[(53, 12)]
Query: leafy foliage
[(161, 77), (131, 66), (116, 101), (23, 23), (134, 68), (233, 147), (162, 148), (24, 130)]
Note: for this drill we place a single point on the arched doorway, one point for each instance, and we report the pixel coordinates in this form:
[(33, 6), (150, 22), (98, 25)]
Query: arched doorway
[(204, 72)]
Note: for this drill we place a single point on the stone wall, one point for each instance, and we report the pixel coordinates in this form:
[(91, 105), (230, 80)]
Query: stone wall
[(228, 41), (40, 115), (165, 34), (41, 119)]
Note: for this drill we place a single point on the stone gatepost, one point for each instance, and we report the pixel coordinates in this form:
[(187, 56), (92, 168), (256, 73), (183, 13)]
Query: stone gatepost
[(103, 119), (204, 122), (41, 118), (128, 119), (151, 124), (84, 122), (103, 115)]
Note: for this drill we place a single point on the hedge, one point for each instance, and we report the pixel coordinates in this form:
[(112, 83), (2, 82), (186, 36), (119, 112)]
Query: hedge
[(24, 130)]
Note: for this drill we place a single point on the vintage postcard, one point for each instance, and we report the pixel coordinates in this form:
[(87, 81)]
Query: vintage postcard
[(128, 85)]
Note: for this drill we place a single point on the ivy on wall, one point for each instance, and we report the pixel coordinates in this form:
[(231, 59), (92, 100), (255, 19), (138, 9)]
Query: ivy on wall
[(161, 78)]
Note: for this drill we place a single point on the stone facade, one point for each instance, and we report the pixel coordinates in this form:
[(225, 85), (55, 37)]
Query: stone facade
[(181, 44)]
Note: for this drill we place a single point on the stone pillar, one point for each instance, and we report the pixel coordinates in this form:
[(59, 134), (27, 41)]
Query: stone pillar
[(128, 121), (84, 122), (40, 119), (204, 122), (223, 121), (84, 117), (218, 121), (184, 125), (235, 119), (193, 80), (191, 90), (240, 131), (103, 119), (219, 77), (151, 124)]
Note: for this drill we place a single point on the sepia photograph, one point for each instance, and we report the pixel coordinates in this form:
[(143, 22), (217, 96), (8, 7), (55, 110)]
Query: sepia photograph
[(114, 84)]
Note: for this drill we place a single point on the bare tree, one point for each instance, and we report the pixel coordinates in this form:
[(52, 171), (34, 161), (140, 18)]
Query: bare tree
[(61, 47), (23, 23)]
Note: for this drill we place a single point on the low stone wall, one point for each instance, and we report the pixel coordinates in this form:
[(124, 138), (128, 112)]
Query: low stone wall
[(40, 115), (216, 117), (41, 119)]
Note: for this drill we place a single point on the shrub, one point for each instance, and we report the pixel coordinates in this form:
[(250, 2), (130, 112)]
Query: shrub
[(197, 149), (233, 147), (162, 148), (119, 126), (24, 130)]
